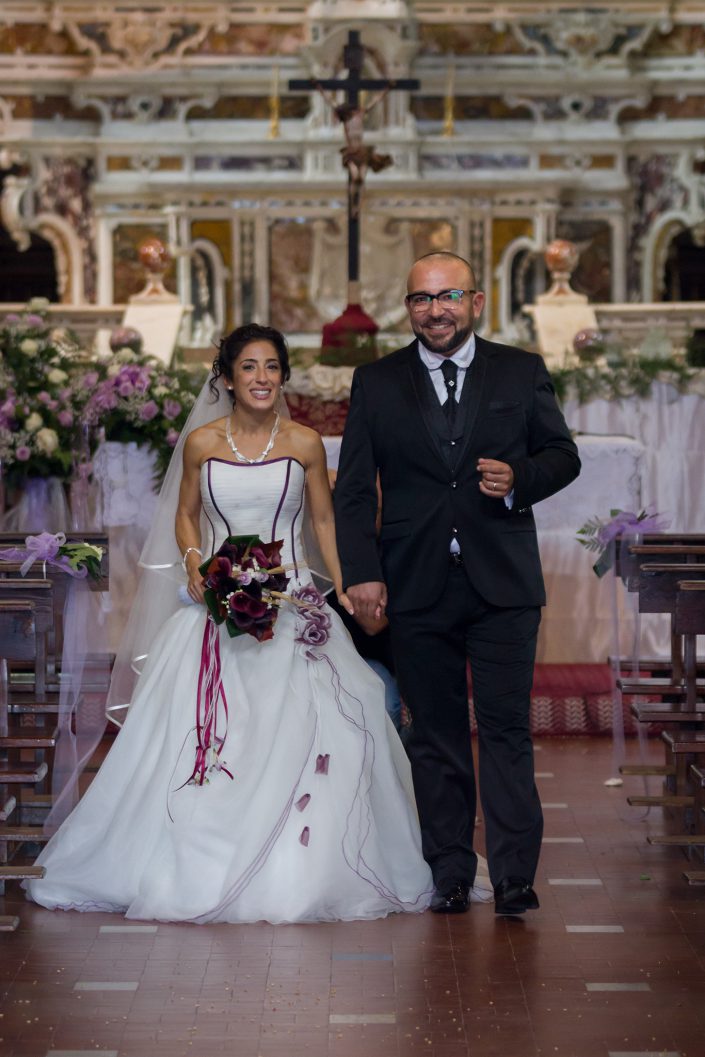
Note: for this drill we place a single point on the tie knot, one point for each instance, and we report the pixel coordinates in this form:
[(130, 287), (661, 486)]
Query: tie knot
[(450, 375)]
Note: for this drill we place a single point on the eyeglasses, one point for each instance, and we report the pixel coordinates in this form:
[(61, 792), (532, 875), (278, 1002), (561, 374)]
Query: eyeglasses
[(421, 301)]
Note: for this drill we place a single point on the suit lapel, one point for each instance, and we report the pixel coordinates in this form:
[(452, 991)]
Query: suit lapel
[(476, 379), (418, 393)]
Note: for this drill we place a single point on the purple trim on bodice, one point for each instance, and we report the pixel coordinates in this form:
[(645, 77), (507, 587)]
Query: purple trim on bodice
[(254, 465), (251, 466), (281, 502), (215, 505)]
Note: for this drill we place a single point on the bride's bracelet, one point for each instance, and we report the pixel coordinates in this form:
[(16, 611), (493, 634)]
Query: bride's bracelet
[(188, 550)]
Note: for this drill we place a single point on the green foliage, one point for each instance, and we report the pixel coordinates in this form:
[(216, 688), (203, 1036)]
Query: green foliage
[(633, 378)]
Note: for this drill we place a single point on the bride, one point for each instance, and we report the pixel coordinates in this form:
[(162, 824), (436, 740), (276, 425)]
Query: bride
[(252, 780)]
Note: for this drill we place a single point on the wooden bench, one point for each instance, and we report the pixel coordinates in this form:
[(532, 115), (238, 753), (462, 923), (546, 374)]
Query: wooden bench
[(23, 619), (630, 555), (685, 747)]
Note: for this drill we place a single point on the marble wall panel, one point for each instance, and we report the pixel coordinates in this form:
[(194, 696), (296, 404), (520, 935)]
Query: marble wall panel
[(467, 108), (667, 106), (455, 39), (682, 40), (65, 189), (35, 39), (656, 190), (252, 107), (255, 39), (291, 251)]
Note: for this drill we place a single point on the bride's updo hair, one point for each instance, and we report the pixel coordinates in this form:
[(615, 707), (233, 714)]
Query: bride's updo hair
[(230, 347)]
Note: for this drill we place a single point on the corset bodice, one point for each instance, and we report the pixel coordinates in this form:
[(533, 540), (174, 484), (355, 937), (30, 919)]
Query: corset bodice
[(264, 499)]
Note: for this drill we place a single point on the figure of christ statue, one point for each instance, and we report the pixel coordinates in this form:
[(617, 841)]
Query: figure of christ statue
[(357, 157)]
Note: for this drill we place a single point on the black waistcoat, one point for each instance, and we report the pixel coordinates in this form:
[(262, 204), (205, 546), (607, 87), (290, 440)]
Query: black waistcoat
[(450, 442)]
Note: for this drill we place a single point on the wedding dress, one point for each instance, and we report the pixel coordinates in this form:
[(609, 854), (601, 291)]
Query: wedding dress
[(316, 823)]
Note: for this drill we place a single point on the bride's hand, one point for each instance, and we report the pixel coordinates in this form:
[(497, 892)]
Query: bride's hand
[(195, 580), (346, 603)]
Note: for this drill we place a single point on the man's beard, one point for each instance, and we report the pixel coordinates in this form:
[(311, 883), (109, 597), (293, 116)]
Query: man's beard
[(446, 345)]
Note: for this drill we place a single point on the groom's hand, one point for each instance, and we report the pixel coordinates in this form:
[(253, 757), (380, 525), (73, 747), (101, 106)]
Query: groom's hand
[(369, 599), (496, 478)]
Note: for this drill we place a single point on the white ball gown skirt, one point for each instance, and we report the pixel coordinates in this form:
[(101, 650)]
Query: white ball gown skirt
[(317, 822)]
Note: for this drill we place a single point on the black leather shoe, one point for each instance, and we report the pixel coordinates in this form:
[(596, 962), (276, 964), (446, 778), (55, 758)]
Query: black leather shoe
[(514, 895), (451, 899)]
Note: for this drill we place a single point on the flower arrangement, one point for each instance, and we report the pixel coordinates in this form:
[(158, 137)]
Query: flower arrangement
[(244, 585), (80, 560), (41, 397), (57, 401), (134, 397), (598, 534)]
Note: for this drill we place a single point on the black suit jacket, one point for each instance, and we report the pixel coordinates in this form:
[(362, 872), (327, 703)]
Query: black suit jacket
[(511, 414)]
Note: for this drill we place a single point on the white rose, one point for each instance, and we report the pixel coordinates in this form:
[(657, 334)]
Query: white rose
[(160, 390), (38, 304), (29, 347), (33, 422), (46, 441), (125, 356), (57, 377), (113, 369)]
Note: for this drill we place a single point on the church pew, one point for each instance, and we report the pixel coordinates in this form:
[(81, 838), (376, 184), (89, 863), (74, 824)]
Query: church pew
[(61, 582), (683, 548), (685, 746), (23, 616)]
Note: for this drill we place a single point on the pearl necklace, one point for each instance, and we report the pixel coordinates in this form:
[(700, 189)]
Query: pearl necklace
[(263, 454)]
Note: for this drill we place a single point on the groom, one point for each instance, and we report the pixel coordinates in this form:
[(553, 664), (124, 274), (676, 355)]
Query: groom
[(464, 435)]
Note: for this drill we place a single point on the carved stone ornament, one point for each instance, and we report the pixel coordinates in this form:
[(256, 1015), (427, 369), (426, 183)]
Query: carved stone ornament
[(12, 211), (586, 36), (131, 36)]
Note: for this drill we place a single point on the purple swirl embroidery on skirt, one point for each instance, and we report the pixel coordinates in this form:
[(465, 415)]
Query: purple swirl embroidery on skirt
[(305, 834), (303, 802)]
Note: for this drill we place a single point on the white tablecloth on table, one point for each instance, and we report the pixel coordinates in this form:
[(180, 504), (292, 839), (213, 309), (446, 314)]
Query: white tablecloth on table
[(577, 625), (671, 426)]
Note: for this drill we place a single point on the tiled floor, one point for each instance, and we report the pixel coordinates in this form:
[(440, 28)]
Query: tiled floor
[(612, 964)]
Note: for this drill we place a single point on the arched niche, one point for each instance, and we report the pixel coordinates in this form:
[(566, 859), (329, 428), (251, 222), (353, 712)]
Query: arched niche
[(656, 249), (27, 273), (207, 294), (683, 275), (521, 276)]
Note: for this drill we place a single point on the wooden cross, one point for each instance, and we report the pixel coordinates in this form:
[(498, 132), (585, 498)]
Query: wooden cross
[(357, 158)]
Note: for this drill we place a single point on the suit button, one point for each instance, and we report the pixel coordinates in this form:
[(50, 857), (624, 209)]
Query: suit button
[(452, 444), (453, 484)]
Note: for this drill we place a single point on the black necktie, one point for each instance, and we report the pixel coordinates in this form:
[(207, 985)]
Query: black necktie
[(450, 377)]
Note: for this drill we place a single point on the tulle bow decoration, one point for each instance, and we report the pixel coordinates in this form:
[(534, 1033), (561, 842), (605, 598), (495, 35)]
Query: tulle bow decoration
[(50, 548), (598, 534)]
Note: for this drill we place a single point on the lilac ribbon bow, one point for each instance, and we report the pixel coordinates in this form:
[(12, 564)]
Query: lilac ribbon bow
[(627, 522), (42, 548)]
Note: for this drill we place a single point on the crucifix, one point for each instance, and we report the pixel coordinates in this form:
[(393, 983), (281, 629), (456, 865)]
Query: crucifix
[(357, 158)]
